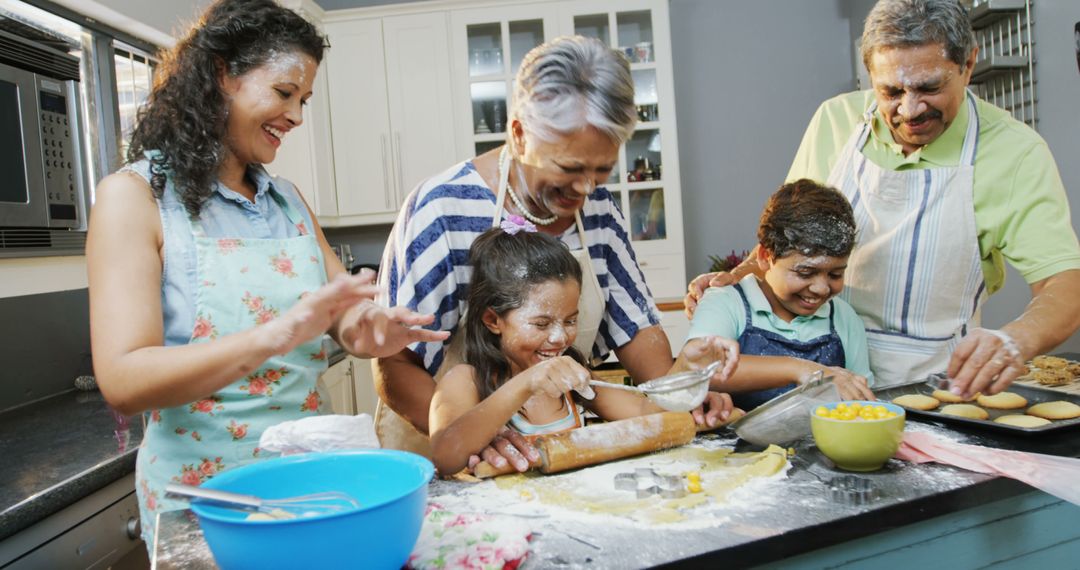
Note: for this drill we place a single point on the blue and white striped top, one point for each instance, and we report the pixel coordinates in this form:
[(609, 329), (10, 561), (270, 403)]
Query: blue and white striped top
[(425, 265)]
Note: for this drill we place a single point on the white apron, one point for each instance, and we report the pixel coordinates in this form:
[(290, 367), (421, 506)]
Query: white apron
[(915, 276), (394, 432)]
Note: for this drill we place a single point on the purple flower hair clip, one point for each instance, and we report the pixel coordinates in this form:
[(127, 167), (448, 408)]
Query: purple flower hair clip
[(515, 223)]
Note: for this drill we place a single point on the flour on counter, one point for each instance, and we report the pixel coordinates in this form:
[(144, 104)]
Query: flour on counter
[(589, 495)]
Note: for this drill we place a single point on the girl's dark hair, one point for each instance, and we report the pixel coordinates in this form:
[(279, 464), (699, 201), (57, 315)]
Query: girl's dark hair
[(184, 117), (505, 269), (809, 218)]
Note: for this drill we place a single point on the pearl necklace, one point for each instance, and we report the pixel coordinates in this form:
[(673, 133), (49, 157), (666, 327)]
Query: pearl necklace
[(503, 175)]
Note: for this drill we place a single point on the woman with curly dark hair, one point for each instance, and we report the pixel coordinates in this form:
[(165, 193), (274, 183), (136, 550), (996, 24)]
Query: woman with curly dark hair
[(209, 291)]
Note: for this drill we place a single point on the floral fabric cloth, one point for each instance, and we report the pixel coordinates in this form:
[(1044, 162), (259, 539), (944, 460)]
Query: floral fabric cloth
[(243, 283), (474, 541)]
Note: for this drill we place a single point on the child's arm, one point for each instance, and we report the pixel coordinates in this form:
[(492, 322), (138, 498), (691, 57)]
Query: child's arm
[(764, 372), (462, 425)]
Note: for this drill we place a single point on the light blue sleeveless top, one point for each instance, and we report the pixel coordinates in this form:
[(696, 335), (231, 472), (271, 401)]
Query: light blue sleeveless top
[(225, 214)]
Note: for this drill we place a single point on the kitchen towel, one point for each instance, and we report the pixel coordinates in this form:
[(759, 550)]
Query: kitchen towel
[(469, 540), (320, 433), (1050, 473)]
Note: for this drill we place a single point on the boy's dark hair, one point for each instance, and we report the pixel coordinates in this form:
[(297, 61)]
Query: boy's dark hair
[(184, 117), (809, 218), (505, 269)]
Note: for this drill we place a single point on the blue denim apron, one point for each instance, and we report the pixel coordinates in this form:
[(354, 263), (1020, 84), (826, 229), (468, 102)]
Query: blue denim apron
[(826, 350)]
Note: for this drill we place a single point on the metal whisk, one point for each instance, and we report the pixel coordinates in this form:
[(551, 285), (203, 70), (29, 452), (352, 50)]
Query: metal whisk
[(313, 504)]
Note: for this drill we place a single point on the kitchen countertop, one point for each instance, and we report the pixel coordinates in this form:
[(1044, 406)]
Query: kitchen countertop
[(799, 517), (58, 450)]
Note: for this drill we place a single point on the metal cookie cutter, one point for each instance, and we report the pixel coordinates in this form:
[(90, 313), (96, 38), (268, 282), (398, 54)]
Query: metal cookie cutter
[(647, 482), (852, 490)]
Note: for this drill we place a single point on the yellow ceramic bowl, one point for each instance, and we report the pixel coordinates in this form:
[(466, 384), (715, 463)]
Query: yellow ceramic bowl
[(858, 445)]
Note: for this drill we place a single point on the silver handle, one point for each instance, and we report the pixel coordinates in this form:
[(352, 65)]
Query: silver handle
[(134, 529), (223, 497), (398, 159), (604, 384), (386, 172)]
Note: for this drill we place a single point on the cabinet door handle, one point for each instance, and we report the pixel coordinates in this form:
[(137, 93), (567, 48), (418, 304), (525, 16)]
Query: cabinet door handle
[(398, 159), (387, 172)]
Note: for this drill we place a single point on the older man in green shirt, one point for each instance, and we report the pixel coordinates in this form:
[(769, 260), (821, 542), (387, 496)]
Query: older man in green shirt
[(946, 188)]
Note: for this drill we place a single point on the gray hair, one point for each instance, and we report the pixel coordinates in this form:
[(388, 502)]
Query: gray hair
[(573, 81), (911, 23)]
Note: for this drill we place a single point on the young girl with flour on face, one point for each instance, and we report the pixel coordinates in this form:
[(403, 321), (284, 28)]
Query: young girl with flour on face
[(521, 370)]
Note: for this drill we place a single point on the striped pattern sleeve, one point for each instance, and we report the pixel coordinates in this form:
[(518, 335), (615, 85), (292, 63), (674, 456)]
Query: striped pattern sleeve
[(424, 266), (630, 306)]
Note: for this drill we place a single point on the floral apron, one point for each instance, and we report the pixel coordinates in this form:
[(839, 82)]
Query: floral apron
[(915, 276), (242, 283), (395, 432)]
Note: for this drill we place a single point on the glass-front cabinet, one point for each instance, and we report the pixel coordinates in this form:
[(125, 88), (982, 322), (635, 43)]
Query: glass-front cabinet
[(488, 46)]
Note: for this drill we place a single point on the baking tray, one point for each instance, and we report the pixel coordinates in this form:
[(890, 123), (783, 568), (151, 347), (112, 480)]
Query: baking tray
[(1034, 396)]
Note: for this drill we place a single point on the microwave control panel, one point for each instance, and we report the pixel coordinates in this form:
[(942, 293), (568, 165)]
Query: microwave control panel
[(58, 154)]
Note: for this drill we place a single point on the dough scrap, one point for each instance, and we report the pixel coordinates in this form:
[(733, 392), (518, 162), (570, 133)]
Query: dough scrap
[(966, 411), (917, 402), (949, 397), (1056, 410), (722, 471), (1049, 362), (1020, 420), (1003, 401), (1074, 369)]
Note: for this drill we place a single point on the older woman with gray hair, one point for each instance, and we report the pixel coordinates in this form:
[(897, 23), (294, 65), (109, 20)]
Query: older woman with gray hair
[(572, 108)]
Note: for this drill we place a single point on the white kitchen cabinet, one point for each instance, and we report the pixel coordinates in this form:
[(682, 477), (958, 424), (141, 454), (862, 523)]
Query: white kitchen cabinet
[(389, 93), (336, 389), (348, 388), (304, 157), (364, 386), (488, 46)]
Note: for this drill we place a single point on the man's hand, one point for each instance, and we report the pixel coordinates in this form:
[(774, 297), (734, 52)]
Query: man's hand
[(986, 361)]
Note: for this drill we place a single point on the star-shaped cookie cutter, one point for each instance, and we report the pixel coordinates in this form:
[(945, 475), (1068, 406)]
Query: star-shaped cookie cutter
[(646, 482)]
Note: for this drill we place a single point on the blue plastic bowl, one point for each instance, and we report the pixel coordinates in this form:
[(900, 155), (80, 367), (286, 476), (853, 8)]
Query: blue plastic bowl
[(390, 485)]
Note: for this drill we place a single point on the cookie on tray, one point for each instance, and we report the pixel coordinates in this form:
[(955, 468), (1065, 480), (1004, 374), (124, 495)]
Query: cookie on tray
[(917, 402), (1051, 376), (966, 411), (1056, 410), (950, 398), (1049, 362), (1074, 369), (1003, 401), (1020, 420)]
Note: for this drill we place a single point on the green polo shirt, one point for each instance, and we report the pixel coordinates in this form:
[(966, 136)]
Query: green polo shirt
[(1021, 210), (721, 313)]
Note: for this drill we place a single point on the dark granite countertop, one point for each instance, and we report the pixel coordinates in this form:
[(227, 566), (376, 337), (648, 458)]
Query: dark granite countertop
[(800, 518), (58, 450)]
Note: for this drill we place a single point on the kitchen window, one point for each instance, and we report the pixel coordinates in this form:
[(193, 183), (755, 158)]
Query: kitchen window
[(134, 77)]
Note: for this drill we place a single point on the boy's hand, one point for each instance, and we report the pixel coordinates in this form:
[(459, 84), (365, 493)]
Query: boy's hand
[(715, 410), (698, 353), (851, 385)]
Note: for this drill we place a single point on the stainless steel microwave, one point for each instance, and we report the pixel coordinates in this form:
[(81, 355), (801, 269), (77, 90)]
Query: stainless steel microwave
[(41, 166)]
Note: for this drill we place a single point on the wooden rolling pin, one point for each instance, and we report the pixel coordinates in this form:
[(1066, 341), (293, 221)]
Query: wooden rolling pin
[(604, 442)]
